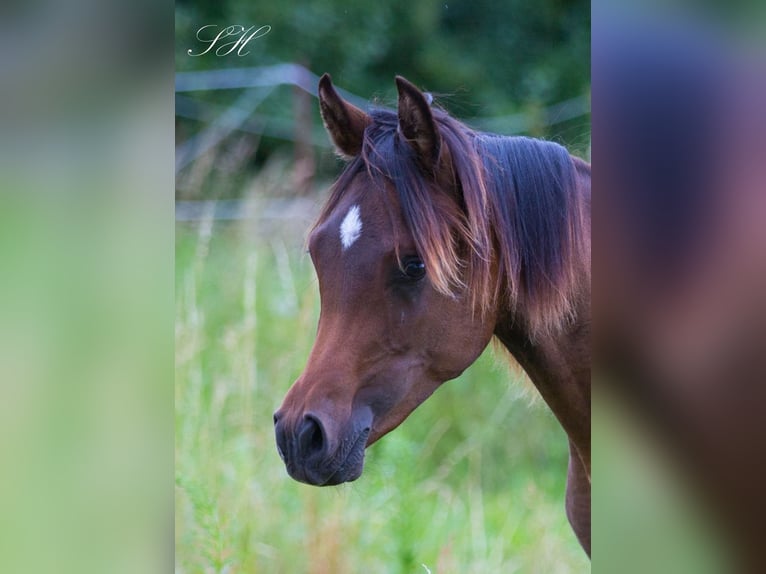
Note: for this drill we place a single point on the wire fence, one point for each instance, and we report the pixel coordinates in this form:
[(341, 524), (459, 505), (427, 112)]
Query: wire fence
[(260, 83)]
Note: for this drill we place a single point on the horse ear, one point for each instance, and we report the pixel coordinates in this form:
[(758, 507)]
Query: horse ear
[(343, 121), (416, 123)]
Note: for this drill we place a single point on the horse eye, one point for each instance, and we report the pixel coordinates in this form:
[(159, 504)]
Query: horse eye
[(414, 269)]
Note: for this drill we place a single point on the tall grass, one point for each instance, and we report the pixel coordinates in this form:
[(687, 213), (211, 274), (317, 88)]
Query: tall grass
[(473, 481)]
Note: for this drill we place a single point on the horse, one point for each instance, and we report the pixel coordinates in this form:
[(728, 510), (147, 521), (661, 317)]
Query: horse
[(435, 239)]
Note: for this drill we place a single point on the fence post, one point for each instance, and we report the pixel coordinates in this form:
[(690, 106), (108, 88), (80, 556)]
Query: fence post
[(304, 167)]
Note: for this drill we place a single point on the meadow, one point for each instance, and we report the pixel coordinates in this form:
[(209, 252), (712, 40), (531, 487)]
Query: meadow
[(472, 482)]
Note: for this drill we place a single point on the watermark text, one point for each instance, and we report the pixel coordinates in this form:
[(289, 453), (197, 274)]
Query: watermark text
[(234, 38)]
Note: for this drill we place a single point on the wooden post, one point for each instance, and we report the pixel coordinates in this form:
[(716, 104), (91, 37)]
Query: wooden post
[(304, 163)]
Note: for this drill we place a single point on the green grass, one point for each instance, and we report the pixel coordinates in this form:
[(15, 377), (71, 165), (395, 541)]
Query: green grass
[(473, 481)]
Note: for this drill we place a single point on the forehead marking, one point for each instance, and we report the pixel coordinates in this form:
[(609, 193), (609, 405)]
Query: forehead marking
[(351, 227)]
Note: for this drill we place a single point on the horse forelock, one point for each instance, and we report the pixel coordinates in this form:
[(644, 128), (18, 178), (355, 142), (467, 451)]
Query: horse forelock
[(501, 221)]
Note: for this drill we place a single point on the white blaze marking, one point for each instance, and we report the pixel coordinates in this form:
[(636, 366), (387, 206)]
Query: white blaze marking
[(351, 227)]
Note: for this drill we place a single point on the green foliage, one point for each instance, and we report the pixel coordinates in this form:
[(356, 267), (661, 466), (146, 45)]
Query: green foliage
[(504, 52), (482, 59), (473, 481)]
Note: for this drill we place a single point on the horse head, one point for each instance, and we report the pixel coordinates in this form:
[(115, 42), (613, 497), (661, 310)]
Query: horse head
[(396, 320)]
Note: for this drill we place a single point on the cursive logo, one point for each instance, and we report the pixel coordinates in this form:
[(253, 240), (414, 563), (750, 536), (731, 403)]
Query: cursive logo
[(243, 36)]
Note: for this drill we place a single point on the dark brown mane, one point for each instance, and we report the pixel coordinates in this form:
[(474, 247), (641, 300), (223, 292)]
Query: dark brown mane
[(502, 219)]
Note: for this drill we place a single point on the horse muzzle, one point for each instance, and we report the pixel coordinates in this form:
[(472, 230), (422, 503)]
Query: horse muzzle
[(314, 456)]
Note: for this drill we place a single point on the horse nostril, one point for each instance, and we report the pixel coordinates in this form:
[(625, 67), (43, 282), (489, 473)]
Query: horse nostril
[(282, 440), (310, 436)]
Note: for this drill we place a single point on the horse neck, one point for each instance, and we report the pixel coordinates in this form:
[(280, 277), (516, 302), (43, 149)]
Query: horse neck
[(559, 367)]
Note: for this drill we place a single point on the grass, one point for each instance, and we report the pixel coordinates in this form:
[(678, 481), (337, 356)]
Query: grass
[(473, 481)]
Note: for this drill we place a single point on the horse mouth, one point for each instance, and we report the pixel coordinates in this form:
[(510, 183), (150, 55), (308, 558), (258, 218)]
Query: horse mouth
[(345, 465), (352, 465)]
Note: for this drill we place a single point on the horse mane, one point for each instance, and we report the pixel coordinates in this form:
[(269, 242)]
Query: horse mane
[(500, 219)]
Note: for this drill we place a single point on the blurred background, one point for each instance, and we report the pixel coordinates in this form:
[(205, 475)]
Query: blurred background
[(679, 275), (511, 67), (474, 480)]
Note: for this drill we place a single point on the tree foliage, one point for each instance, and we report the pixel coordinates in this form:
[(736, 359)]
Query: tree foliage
[(481, 58)]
